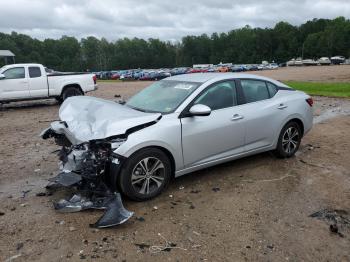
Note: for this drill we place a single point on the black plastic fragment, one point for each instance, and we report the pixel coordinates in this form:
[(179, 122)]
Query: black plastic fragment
[(66, 179), (115, 214)]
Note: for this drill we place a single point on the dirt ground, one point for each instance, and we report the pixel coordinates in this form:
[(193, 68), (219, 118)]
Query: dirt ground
[(254, 209)]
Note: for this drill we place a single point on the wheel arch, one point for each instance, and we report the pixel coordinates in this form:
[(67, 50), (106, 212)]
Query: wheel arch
[(75, 85), (299, 122), (165, 151)]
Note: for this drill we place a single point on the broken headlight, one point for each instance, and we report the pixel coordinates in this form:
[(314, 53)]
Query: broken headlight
[(117, 142)]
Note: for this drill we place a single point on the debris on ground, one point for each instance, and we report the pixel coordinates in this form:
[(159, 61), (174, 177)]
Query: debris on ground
[(181, 187), (337, 219), (215, 189), (24, 193), (19, 246), (142, 245), (195, 191), (41, 194), (167, 247), (13, 258), (2, 213), (141, 219), (333, 228)]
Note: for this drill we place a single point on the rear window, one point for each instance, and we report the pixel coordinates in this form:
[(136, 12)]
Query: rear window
[(254, 90), (34, 72), (272, 89)]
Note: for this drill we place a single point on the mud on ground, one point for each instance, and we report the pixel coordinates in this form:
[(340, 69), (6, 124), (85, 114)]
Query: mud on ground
[(257, 208)]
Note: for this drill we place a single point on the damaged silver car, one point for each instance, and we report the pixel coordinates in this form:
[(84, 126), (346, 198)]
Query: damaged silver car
[(173, 127)]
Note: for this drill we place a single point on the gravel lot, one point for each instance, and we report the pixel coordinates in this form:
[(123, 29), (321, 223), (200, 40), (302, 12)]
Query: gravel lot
[(257, 208)]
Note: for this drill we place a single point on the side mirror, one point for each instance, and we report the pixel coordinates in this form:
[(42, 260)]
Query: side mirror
[(2, 76), (200, 110)]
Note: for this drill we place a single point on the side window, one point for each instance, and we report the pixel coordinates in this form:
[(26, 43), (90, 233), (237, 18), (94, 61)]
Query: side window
[(14, 73), (221, 95), (254, 90), (272, 89), (34, 72)]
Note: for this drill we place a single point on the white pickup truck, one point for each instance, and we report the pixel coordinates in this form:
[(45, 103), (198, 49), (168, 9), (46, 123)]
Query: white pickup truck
[(32, 81)]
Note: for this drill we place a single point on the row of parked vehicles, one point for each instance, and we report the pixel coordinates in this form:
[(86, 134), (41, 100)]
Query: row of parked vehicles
[(335, 60), (158, 74)]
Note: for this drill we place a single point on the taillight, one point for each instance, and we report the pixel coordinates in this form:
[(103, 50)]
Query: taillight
[(310, 101), (94, 78)]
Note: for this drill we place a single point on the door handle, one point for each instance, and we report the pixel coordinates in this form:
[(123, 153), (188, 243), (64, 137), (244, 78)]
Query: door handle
[(237, 117), (24, 82), (282, 106)]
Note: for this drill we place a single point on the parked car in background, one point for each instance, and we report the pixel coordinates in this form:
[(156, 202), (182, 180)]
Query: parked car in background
[(236, 68), (337, 60), (194, 70), (295, 62), (115, 75), (324, 61), (222, 69), (272, 66), (30, 81)]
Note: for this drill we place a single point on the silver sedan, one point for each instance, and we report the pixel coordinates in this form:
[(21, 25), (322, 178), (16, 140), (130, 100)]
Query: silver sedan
[(176, 126)]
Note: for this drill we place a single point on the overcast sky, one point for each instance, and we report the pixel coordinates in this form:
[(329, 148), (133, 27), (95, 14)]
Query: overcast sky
[(167, 20)]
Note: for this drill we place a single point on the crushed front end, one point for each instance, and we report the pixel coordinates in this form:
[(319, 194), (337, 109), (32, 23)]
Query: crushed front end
[(91, 168)]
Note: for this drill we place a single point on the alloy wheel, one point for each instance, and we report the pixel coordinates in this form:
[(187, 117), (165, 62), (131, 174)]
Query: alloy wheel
[(148, 175), (290, 140)]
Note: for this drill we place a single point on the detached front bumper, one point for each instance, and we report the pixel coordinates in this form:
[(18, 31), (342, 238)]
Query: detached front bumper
[(91, 168)]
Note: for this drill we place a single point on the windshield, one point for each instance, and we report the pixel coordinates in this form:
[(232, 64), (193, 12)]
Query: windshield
[(163, 96)]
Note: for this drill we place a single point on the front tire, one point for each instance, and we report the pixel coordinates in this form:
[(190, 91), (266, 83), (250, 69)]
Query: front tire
[(289, 140), (145, 174)]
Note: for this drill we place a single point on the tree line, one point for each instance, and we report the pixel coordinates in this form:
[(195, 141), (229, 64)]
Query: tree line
[(313, 39)]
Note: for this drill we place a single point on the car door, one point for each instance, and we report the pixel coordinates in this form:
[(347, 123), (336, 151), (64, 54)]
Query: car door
[(263, 113), (15, 84), (37, 82), (219, 135)]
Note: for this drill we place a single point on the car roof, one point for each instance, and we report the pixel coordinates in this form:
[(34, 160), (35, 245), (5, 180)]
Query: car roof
[(204, 77), (23, 64)]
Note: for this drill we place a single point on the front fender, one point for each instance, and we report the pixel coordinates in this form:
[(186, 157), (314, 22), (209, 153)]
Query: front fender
[(130, 147)]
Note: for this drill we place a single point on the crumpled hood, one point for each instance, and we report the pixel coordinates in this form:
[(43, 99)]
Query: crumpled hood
[(90, 118)]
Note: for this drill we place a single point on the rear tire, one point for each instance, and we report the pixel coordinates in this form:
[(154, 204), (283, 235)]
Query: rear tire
[(288, 140), (71, 91), (145, 174)]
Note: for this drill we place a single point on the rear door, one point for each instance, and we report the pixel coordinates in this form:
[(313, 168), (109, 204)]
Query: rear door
[(263, 113), (219, 135), (38, 86), (15, 84)]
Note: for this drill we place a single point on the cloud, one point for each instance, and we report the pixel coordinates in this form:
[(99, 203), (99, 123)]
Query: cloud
[(167, 20)]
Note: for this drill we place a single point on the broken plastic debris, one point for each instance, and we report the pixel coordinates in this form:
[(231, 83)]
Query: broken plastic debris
[(115, 213), (66, 179)]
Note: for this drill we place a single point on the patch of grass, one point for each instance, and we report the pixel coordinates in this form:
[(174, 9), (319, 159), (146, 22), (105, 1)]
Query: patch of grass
[(322, 89)]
